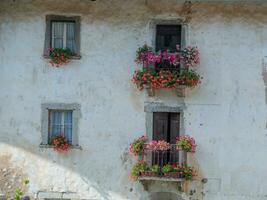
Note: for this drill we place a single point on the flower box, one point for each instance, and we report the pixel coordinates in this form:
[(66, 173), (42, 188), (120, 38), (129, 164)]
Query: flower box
[(149, 174), (173, 175), (162, 179), (180, 90), (165, 70)]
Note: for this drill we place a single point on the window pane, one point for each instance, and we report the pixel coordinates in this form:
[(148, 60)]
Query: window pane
[(68, 125), (70, 43), (55, 123), (167, 37), (57, 34)]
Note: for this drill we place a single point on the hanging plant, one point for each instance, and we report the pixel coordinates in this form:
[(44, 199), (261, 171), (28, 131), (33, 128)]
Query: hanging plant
[(186, 143), (158, 145), (60, 143), (138, 168), (59, 56), (167, 70), (137, 146), (165, 79)]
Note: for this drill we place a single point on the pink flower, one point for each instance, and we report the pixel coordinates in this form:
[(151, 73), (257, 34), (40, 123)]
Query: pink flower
[(159, 145), (186, 143)]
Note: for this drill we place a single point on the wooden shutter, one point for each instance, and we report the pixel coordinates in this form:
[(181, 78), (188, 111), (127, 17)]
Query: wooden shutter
[(160, 126), (166, 127), (174, 127), (174, 133), (160, 132)]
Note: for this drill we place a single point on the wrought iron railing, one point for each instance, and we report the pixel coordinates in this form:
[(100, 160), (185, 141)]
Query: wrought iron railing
[(163, 157), (172, 156)]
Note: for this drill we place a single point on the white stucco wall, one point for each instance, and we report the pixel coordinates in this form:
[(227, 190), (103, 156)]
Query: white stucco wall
[(226, 114)]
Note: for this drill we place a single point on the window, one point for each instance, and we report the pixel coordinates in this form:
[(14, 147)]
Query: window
[(168, 36), (62, 32), (60, 118), (60, 122)]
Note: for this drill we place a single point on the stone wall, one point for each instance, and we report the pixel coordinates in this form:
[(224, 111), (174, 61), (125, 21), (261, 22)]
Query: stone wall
[(226, 114)]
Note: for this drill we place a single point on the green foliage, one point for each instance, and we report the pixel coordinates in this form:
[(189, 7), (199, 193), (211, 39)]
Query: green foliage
[(60, 56), (165, 78), (188, 173), (18, 193), (155, 169), (137, 146), (142, 50), (167, 168), (139, 167)]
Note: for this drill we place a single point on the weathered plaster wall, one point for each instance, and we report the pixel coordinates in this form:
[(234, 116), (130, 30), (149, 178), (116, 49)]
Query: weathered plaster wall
[(226, 114)]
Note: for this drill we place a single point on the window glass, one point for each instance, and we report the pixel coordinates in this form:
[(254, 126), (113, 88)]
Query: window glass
[(167, 37), (57, 34), (60, 123), (63, 35)]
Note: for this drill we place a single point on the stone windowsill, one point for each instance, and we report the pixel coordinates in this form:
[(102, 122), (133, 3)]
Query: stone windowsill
[(161, 179), (77, 57), (47, 146)]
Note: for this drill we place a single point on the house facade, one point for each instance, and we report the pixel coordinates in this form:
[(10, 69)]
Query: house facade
[(94, 102)]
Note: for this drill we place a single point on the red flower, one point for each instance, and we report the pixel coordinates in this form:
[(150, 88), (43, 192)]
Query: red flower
[(60, 143)]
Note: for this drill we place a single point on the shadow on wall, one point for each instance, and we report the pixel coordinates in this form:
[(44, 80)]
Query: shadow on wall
[(78, 171)]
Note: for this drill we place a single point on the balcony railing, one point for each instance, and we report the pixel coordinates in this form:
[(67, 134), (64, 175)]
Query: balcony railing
[(172, 156)]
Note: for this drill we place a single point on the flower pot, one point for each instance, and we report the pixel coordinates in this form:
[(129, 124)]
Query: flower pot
[(149, 174), (172, 175)]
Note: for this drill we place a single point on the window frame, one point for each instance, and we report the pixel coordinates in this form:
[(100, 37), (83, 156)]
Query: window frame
[(48, 32), (76, 112)]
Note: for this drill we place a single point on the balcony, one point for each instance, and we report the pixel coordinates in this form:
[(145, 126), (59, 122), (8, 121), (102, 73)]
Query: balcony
[(159, 160), (164, 165)]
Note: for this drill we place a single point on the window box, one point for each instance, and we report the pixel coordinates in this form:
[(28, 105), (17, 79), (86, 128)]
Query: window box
[(178, 78), (164, 179), (75, 57), (48, 146), (174, 175)]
